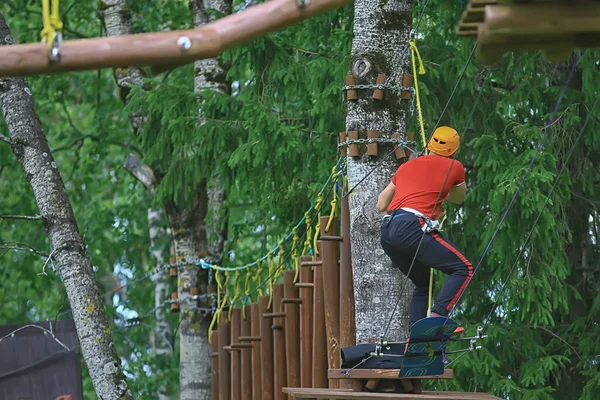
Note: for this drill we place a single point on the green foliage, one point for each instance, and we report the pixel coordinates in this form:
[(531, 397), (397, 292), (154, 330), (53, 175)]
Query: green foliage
[(272, 143)]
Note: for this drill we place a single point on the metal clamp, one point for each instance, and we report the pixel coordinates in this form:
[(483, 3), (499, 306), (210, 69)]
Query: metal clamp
[(56, 48), (302, 3)]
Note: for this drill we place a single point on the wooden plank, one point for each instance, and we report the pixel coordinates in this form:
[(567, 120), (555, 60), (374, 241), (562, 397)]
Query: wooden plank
[(537, 19), (280, 360), (339, 394), (246, 354), (163, 48), (292, 329), (331, 295), (347, 318), (382, 374), (306, 323), (319, 367), (266, 350)]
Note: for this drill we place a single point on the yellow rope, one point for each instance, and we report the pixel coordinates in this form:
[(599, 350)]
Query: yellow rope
[(238, 291), (318, 206), (52, 22), (334, 201), (257, 278), (217, 315), (280, 262), (271, 278), (295, 257), (414, 50), (308, 241), (246, 292)]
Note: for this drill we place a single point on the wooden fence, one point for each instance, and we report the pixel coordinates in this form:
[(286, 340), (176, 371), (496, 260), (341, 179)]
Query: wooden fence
[(295, 341)]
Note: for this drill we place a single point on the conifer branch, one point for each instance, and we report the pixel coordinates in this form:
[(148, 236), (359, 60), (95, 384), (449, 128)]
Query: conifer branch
[(561, 339), (5, 139), (23, 247), (25, 217), (93, 137)]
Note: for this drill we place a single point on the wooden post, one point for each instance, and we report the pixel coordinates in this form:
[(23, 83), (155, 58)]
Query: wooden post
[(246, 356), (291, 304), (306, 321), (224, 361), (378, 93), (266, 350), (399, 153), (342, 139), (278, 326), (165, 49), (407, 81), (319, 377), (331, 292), (256, 358), (235, 355), (354, 149), (347, 321), (372, 147), (214, 365)]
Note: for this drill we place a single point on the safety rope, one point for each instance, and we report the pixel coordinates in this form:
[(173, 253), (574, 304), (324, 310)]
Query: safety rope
[(52, 22), (271, 278), (246, 292), (415, 51), (527, 173), (280, 262), (295, 258), (334, 200), (318, 226), (308, 241), (257, 278), (217, 315)]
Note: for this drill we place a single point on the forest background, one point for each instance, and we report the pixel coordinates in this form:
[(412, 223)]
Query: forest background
[(272, 142)]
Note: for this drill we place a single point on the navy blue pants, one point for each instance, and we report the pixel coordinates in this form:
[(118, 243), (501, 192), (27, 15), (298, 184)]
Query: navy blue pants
[(400, 236)]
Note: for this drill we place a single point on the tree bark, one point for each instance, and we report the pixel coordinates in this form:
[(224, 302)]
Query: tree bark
[(380, 45), (68, 250)]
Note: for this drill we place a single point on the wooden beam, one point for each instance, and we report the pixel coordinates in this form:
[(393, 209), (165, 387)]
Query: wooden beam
[(382, 374), (340, 394), (306, 323), (347, 319), (542, 19), (162, 48)]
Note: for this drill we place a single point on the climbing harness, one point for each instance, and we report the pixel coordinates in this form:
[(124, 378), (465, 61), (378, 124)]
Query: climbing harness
[(52, 32)]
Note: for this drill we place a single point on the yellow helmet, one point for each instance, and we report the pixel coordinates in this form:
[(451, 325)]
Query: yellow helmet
[(445, 141)]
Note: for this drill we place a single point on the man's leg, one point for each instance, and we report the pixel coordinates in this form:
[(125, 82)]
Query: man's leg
[(440, 253)]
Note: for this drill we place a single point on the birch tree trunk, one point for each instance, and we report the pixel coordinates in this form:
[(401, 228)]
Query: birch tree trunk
[(380, 45), (68, 250)]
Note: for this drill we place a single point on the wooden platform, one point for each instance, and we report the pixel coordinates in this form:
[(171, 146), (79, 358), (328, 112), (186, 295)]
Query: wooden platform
[(555, 27), (382, 374), (339, 394)]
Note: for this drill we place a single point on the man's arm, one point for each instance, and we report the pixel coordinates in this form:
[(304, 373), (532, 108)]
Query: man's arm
[(385, 197), (456, 195)]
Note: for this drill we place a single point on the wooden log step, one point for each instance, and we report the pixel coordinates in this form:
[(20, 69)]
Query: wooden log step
[(249, 338), (305, 285), (341, 394), (334, 238), (311, 263), (382, 374)]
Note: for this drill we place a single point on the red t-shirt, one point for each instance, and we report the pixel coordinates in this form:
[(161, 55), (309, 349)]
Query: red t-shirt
[(419, 181)]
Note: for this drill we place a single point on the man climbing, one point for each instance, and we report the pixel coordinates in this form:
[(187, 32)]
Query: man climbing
[(413, 201)]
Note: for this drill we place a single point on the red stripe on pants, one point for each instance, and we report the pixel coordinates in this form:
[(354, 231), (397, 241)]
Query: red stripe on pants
[(464, 260)]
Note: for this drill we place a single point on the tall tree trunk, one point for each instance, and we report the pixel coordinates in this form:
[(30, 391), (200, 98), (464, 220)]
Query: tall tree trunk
[(380, 45), (163, 342), (194, 374), (187, 221), (68, 250)]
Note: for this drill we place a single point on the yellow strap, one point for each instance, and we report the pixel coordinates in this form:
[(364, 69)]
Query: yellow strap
[(414, 50), (318, 206), (334, 201), (246, 291), (271, 278), (308, 241), (430, 292), (295, 257), (217, 315), (280, 262), (258, 277), (52, 23), (238, 291)]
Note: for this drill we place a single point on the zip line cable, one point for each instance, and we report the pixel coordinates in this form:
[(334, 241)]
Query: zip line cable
[(421, 15), (439, 195), (530, 233), (529, 169)]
